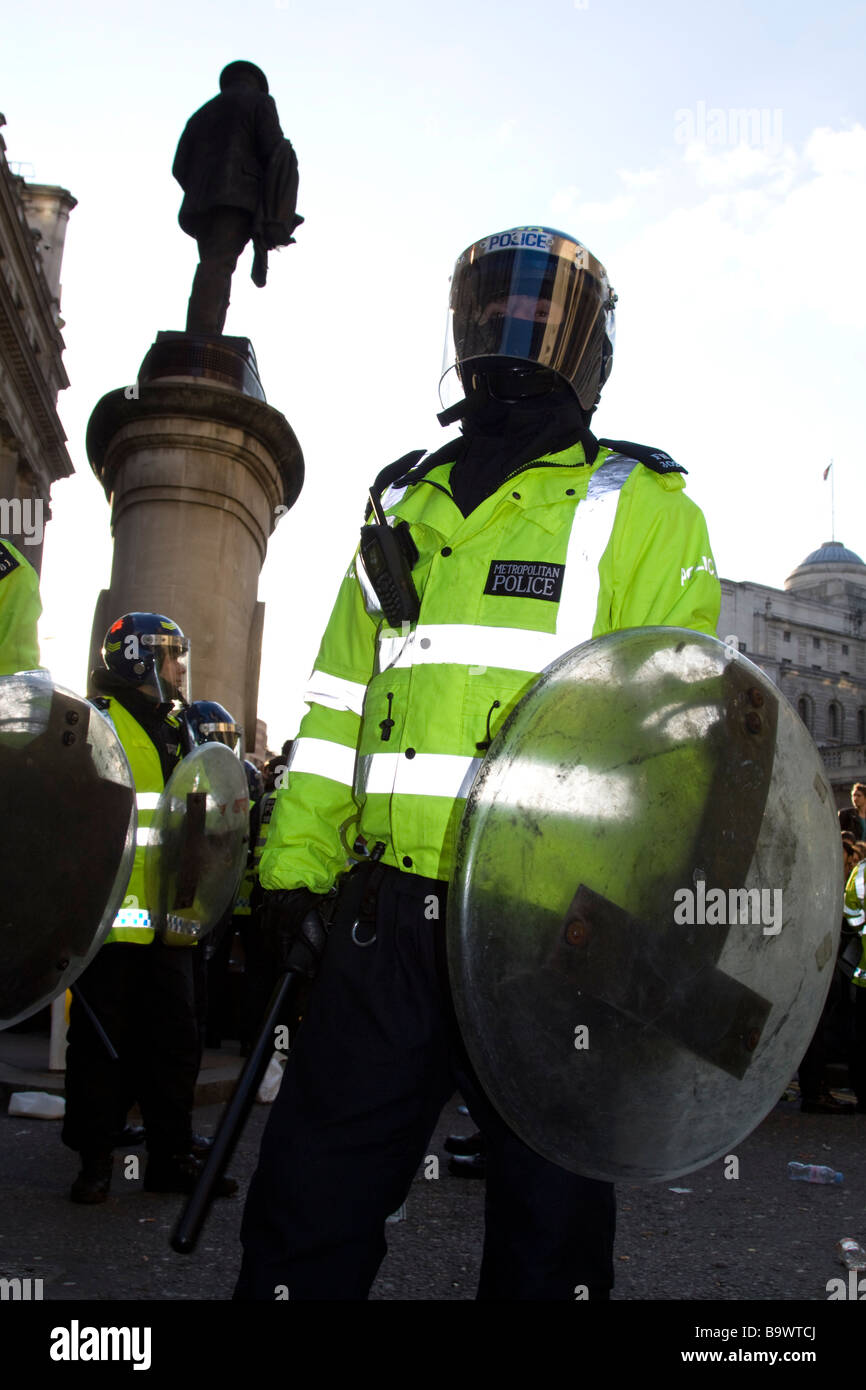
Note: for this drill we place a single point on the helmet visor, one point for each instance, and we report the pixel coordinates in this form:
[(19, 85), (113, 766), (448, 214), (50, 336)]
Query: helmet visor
[(170, 664), (229, 734), (533, 296)]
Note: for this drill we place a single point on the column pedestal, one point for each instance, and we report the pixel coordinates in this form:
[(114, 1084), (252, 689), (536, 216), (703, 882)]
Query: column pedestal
[(195, 465)]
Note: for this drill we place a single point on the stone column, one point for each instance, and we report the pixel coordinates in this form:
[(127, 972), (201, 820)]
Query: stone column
[(195, 469)]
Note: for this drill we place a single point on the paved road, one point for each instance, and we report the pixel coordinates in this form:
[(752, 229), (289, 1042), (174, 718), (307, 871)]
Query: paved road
[(755, 1237)]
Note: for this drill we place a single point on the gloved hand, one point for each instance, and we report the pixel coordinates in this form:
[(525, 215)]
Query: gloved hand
[(293, 930)]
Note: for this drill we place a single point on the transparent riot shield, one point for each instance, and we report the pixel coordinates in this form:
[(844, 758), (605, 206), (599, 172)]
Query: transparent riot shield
[(197, 844), (67, 838), (644, 913)]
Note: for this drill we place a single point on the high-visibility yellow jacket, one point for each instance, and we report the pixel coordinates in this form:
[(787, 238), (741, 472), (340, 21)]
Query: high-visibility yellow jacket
[(855, 914), (20, 607), (398, 722), (243, 901), (132, 923), (249, 882)]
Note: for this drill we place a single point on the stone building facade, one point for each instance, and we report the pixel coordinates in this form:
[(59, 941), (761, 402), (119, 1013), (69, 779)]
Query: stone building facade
[(33, 455), (810, 639)]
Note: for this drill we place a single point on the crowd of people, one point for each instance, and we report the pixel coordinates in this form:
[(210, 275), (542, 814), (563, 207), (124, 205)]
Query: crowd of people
[(841, 1032)]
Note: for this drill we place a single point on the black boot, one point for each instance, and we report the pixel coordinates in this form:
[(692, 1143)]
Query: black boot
[(180, 1173), (464, 1144), (468, 1166), (131, 1136), (92, 1184)]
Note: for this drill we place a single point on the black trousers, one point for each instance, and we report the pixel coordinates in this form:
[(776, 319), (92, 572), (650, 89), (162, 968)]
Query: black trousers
[(143, 997), (840, 1035), (375, 1061)]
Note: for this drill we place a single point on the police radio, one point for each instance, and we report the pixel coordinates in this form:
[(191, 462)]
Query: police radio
[(388, 553)]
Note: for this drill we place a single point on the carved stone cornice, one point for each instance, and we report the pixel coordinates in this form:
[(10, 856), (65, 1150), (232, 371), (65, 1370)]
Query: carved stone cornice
[(32, 360)]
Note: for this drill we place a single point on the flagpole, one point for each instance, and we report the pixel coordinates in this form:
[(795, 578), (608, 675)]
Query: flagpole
[(832, 502)]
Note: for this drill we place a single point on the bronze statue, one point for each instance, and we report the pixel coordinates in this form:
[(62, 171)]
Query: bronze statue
[(240, 180)]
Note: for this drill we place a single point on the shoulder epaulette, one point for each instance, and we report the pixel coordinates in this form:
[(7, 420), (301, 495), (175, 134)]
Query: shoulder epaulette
[(392, 473), (412, 468), (8, 563), (656, 459)]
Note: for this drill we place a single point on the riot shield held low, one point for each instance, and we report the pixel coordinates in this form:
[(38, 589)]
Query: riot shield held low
[(644, 912), (67, 840), (197, 844)]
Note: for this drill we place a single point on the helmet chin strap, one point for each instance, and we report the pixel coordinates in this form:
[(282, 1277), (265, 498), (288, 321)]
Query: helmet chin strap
[(505, 386)]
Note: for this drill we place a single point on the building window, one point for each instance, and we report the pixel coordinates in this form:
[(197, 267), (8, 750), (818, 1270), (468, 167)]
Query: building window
[(816, 642), (861, 726), (786, 636), (844, 648), (834, 720), (804, 709)]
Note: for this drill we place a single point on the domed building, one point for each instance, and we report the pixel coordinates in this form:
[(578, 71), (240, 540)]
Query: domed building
[(810, 638)]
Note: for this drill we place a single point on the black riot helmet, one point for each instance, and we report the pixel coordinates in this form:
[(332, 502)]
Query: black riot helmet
[(242, 71), (211, 723), (149, 651), (255, 781), (530, 309)]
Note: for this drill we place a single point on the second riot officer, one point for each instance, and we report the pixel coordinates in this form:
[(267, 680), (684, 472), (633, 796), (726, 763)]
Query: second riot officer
[(139, 989), (479, 566)]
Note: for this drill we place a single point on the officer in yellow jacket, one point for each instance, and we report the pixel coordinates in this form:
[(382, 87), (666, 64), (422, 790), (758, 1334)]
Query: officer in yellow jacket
[(480, 565), (139, 988), (20, 607)]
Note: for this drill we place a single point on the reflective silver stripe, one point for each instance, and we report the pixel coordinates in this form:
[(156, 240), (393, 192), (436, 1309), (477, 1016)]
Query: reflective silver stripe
[(427, 774), (319, 755), (521, 649), (371, 599), (463, 644), (147, 801), (129, 917), (335, 693), (392, 495), (144, 835), (590, 533), (855, 916)]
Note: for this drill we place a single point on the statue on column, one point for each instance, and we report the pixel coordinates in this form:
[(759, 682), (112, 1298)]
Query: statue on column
[(239, 175)]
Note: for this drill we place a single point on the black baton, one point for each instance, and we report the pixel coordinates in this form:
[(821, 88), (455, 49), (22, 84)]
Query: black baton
[(94, 1021), (188, 1228)]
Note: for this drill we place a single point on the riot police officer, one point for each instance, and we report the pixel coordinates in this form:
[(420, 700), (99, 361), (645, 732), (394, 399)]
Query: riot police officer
[(20, 607), (481, 564), (139, 988)]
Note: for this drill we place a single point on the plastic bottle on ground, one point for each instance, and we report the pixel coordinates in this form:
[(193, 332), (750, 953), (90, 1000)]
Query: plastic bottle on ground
[(851, 1254), (813, 1172)]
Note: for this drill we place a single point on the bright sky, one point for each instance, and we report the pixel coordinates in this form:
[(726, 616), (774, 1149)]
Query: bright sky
[(713, 157)]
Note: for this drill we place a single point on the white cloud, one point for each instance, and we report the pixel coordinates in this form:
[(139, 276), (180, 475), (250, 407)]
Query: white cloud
[(640, 178), (728, 168), (565, 199), (740, 345), (566, 203), (837, 151)]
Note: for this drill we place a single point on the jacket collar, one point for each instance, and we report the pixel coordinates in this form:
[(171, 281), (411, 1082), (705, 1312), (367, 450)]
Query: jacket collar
[(538, 489)]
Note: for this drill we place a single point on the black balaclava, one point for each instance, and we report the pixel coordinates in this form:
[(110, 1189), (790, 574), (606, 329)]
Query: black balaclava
[(501, 436)]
